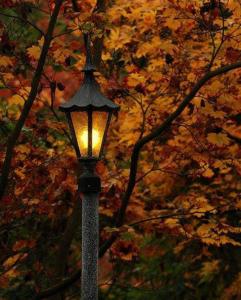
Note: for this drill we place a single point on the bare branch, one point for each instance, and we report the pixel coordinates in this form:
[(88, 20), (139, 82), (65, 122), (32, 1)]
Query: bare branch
[(25, 21), (216, 49), (165, 125), (65, 32), (174, 215), (28, 104)]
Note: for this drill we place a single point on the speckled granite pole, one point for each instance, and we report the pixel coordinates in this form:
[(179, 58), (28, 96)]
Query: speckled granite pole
[(89, 187), (90, 243)]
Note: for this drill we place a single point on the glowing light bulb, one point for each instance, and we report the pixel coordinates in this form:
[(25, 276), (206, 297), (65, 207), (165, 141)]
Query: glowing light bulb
[(95, 138)]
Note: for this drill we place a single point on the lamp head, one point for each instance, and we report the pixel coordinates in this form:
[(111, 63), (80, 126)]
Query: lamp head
[(89, 113)]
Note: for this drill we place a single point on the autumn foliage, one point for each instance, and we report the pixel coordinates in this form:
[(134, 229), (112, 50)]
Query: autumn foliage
[(170, 204)]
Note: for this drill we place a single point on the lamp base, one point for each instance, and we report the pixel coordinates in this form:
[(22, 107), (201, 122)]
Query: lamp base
[(89, 181)]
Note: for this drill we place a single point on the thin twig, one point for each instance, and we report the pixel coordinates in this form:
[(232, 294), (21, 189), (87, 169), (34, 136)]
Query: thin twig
[(31, 98), (24, 21)]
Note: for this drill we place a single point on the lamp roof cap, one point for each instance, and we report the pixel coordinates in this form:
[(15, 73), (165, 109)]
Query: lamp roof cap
[(89, 97)]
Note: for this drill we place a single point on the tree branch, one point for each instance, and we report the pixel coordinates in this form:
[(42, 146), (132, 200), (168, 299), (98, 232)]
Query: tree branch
[(236, 139), (133, 171), (74, 222), (98, 42), (175, 216), (24, 21), (75, 6), (28, 104), (59, 287), (165, 125)]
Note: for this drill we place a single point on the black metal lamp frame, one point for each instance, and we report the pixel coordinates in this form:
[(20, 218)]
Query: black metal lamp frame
[(89, 99)]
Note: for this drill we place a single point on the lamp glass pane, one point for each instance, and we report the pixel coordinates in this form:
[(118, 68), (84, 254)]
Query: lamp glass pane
[(99, 119), (80, 124)]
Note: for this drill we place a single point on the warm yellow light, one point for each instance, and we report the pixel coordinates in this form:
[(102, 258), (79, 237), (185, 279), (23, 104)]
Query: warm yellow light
[(95, 138)]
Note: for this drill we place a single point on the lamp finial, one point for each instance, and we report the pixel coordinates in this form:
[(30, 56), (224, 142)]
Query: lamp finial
[(88, 63)]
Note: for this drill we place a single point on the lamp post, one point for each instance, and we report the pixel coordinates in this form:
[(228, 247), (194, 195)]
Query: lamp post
[(89, 113)]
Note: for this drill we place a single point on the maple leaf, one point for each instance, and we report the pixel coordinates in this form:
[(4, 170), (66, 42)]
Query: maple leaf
[(120, 37), (60, 55), (218, 139), (208, 109), (209, 270), (16, 99), (134, 79), (125, 250), (5, 61), (34, 52)]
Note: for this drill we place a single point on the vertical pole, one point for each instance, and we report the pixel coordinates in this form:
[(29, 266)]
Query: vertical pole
[(89, 187), (90, 243)]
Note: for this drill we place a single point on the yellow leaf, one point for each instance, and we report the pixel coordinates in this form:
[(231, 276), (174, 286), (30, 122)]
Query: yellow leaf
[(34, 52), (16, 99), (215, 86), (208, 173), (144, 49), (173, 24), (151, 87), (229, 100), (12, 273), (209, 267), (5, 61), (134, 79), (60, 55), (41, 42), (205, 229), (24, 149), (192, 77), (19, 172), (80, 62), (106, 56), (227, 240), (167, 46), (7, 76), (11, 260), (119, 37), (24, 92), (172, 223), (234, 5), (148, 20), (208, 110), (155, 65), (218, 139)]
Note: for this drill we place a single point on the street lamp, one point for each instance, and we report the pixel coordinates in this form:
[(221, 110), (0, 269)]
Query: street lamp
[(89, 113)]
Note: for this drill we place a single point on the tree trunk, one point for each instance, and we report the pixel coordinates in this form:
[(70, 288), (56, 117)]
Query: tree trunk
[(73, 224)]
